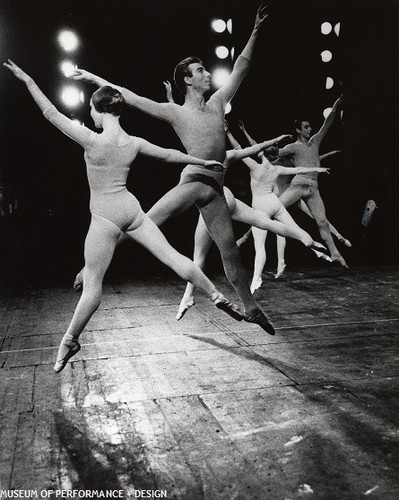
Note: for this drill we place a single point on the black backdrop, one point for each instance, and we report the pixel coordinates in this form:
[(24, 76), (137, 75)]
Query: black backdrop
[(137, 44)]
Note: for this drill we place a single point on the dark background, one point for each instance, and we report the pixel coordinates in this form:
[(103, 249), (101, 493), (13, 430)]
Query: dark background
[(137, 44)]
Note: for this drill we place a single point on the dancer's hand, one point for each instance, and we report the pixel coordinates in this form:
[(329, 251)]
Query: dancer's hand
[(241, 124), (81, 74), (284, 136), (322, 170), (212, 163), (168, 88), (18, 72), (261, 16)]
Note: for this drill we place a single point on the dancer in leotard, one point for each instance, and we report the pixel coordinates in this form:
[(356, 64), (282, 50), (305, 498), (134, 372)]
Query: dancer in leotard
[(282, 184), (199, 125), (305, 152), (114, 209)]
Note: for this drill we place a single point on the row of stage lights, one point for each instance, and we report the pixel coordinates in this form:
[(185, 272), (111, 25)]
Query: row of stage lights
[(220, 74), (326, 55)]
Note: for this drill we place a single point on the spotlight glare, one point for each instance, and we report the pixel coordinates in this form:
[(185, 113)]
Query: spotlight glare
[(82, 96), (232, 52), (326, 28), (219, 25), (67, 67), (228, 109), (326, 55), (68, 40), (329, 83), (220, 77), (229, 25), (78, 122), (222, 52), (71, 96), (337, 29), (326, 112)]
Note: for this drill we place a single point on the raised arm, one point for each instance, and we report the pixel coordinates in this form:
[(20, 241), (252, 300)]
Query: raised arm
[(169, 93), (249, 138), (243, 62), (319, 136), (162, 111), (78, 133), (171, 155)]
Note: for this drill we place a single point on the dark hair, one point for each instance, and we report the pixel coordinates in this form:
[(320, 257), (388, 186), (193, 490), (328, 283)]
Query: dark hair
[(271, 152), (182, 70), (298, 124), (108, 100)]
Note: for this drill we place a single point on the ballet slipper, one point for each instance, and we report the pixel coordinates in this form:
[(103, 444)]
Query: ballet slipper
[(345, 241), (225, 305), (322, 255), (78, 283), (256, 283), (258, 317), (185, 304), (339, 260), (280, 270), (69, 347)]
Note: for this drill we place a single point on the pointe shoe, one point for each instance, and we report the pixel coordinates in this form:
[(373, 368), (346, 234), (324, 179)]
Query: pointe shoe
[(339, 260), (322, 255), (225, 305), (256, 283), (260, 319), (68, 348), (78, 283), (280, 270), (345, 241), (185, 304)]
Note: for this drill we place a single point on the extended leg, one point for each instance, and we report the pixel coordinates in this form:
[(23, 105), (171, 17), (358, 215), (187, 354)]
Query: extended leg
[(281, 244), (99, 248), (260, 257)]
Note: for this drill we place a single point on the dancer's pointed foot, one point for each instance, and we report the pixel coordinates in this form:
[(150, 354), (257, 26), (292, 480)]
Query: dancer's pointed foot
[(339, 260), (256, 283), (322, 255), (225, 305), (344, 241), (69, 347), (258, 317), (280, 269), (318, 246), (243, 239), (78, 283), (186, 302)]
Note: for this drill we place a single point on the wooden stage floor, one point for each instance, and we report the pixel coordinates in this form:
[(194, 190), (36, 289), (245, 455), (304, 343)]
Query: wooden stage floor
[(207, 408)]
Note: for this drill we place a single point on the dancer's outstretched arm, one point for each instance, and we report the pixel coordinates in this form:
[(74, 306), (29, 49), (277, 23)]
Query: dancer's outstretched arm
[(330, 153), (249, 138), (169, 92), (301, 170), (319, 136), (243, 62), (78, 133), (242, 154), (171, 155), (163, 111)]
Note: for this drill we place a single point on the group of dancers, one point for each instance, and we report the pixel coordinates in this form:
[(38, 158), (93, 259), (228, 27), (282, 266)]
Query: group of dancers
[(199, 123)]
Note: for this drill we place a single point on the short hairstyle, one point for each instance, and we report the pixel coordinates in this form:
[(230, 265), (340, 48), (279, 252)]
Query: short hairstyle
[(108, 100), (298, 123), (271, 152), (182, 70)]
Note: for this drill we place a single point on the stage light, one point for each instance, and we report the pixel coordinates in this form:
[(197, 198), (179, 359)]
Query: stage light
[(329, 83), (337, 29), (220, 76), (82, 96), (326, 28), (228, 109), (67, 67), (68, 40), (78, 122), (219, 25), (326, 112), (71, 96), (232, 52), (326, 56), (229, 26), (222, 52)]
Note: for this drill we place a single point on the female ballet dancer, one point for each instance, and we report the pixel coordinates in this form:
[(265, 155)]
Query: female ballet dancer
[(114, 209), (282, 184)]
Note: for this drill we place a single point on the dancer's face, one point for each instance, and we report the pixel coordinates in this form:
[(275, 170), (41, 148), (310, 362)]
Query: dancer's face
[(201, 78), (306, 130)]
